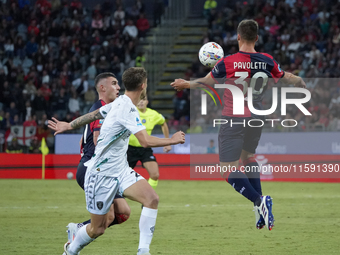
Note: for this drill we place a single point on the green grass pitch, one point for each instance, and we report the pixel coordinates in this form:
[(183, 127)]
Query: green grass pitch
[(194, 217)]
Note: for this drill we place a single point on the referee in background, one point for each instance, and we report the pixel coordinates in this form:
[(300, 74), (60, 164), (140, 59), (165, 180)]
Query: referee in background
[(149, 118)]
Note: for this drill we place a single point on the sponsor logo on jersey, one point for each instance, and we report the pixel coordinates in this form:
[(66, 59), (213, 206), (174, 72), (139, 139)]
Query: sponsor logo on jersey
[(143, 121), (101, 121), (132, 110), (138, 122), (100, 205)]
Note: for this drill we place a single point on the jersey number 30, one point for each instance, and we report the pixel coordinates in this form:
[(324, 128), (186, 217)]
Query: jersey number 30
[(257, 88)]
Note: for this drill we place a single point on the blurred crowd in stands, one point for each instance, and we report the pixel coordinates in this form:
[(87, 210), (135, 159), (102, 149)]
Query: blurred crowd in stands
[(303, 36), (50, 53)]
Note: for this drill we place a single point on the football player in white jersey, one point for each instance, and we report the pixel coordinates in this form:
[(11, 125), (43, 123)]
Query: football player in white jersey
[(108, 171)]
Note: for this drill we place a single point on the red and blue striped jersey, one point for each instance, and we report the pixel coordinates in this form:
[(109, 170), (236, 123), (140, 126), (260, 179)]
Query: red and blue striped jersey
[(87, 147), (238, 69)]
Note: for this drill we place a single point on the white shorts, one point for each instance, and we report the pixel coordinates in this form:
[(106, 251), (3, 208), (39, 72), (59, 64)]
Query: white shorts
[(100, 190)]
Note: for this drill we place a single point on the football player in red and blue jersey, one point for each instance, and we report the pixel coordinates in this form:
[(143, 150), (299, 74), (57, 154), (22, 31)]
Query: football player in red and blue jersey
[(240, 141), (108, 88)]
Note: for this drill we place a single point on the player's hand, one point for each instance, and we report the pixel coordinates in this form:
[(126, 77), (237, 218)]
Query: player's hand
[(178, 137), (58, 126), (301, 84), (180, 84), (166, 149)]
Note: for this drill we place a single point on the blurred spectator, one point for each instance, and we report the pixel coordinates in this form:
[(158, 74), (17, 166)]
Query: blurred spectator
[(30, 89), (92, 72), (119, 16), (30, 122), (103, 65), (35, 146), (14, 146), (133, 12), (208, 6), (9, 48), (140, 6), (140, 59), (158, 10), (12, 110), (97, 21), (73, 103), (32, 29), (130, 30), (81, 84), (28, 111), (31, 47), (46, 91), (142, 25), (211, 149), (39, 104)]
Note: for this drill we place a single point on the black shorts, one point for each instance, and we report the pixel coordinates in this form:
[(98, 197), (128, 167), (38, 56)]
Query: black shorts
[(233, 139), (81, 171), (135, 154)]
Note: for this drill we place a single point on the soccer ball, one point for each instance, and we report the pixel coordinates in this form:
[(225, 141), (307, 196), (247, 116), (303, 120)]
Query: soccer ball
[(210, 53), (69, 175)]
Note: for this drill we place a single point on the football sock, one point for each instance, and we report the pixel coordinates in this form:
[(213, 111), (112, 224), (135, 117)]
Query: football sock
[(79, 225), (82, 239), (147, 224), (241, 184), (153, 183), (119, 218), (252, 170)]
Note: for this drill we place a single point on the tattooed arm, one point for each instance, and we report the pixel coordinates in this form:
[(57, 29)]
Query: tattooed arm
[(62, 126)]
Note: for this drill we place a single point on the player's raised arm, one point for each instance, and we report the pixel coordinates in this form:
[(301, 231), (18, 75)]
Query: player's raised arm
[(151, 141), (62, 126), (180, 84), (290, 78)]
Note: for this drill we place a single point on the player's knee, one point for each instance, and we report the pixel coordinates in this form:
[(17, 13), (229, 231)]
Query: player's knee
[(249, 160), (122, 217), (154, 176), (152, 200)]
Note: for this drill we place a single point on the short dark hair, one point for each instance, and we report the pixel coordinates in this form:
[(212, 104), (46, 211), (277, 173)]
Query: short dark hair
[(248, 30), (102, 76), (133, 78)]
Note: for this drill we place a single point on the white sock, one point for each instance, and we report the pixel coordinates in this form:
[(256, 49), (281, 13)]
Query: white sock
[(147, 224), (82, 239)]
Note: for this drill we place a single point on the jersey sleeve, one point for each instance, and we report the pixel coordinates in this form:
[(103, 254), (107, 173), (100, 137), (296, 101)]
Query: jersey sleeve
[(104, 110), (132, 122), (159, 119), (95, 125), (219, 70), (277, 73)]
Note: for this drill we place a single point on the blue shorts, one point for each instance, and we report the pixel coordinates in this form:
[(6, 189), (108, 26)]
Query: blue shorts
[(233, 139), (81, 171)]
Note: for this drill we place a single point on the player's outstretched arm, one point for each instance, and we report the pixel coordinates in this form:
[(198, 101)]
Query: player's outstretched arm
[(290, 78), (165, 130), (62, 126), (151, 141), (180, 84)]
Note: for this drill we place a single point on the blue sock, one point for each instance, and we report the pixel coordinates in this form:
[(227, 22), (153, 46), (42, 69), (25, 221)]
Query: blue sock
[(252, 171), (241, 184)]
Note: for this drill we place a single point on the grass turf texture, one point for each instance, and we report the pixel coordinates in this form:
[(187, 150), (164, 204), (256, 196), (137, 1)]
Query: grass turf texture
[(195, 217)]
